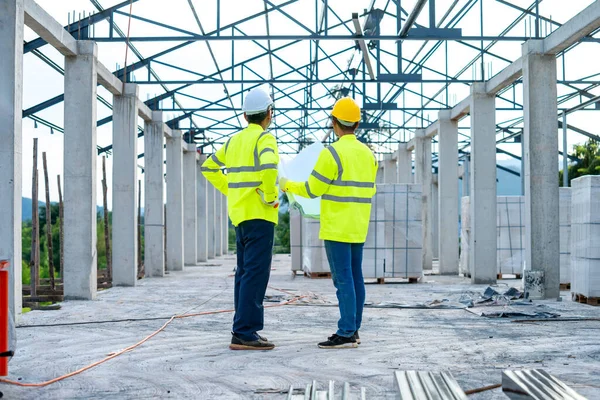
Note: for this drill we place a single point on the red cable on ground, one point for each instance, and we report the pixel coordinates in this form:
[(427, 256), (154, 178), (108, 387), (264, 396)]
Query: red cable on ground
[(132, 347)]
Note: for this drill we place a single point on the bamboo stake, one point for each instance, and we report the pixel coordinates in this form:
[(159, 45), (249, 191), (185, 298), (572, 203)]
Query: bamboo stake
[(61, 225), (106, 227), (48, 224), (34, 263)]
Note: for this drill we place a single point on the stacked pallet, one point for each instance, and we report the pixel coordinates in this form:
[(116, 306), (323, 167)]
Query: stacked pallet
[(314, 258), (511, 242), (585, 239), (394, 246)]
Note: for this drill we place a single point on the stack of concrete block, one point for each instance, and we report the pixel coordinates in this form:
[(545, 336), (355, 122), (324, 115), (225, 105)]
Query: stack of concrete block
[(314, 258), (511, 242), (465, 232), (296, 239), (564, 214), (394, 247), (585, 236), (510, 220)]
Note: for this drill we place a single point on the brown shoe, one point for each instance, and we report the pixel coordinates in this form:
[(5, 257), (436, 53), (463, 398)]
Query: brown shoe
[(259, 344)]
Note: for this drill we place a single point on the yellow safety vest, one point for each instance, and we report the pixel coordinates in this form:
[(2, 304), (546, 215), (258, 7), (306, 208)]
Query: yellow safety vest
[(344, 178), (251, 158)]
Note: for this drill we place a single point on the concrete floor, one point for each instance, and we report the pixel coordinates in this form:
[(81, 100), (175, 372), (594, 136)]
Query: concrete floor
[(190, 359)]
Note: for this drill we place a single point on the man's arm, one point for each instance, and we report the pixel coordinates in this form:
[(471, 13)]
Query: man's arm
[(320, 179), (269, 159), (212, 169)]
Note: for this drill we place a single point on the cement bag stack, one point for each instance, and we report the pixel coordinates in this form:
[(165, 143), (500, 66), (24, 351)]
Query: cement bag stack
[(314, 258), (585, 237), (564, 215), (394, 245)]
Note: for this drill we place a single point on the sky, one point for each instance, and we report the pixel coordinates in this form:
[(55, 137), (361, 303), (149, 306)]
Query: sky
[(42, 82)]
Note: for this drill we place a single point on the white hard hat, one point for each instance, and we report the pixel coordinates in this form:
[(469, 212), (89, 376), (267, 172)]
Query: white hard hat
[(257, 101)]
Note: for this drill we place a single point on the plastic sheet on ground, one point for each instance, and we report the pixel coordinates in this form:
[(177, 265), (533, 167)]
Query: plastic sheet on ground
[(298, 170), (443, 304)]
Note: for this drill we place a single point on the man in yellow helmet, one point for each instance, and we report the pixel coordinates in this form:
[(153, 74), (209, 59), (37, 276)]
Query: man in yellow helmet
[(344, 178), (251, 159)]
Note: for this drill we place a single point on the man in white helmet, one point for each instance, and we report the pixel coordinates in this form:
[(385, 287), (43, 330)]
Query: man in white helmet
[(250, 158)]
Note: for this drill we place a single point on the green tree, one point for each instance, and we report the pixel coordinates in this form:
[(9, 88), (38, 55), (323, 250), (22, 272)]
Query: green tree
[(589, 161)]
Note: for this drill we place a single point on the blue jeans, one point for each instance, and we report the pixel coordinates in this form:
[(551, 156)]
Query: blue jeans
[(345, 261), (254, 241)]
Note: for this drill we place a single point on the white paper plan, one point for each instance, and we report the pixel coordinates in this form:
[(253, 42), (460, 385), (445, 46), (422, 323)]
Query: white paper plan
[(299, 169)]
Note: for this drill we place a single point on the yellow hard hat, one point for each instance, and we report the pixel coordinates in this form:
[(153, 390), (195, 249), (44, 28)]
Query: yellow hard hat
[(346, 110)]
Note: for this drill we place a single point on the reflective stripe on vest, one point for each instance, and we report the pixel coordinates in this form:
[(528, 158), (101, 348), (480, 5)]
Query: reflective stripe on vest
[(257, 167), (339, 181), (345, 199), (240, 185)]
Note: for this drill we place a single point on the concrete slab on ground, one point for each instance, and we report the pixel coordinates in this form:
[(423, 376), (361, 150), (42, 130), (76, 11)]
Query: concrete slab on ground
[(191, 359)]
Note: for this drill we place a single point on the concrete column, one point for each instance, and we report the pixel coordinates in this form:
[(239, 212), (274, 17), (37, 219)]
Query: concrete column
[(11, 101), (483, 186), (424, 176), (465, 177), (154, 212), (175, 202), (201, 203), (404, 164), (80, 263), (435, 220), (390, 169), (125, 187), (190, 208), (225, 240), (210, 220), (448, 194), (541, 143), (218, 223)]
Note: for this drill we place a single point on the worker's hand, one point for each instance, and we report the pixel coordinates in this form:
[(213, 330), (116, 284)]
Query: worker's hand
[(282, 182), (274, 204)]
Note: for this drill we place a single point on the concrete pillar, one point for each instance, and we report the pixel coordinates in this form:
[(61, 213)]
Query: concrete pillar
[(390, 169), (11, 101), (175, 202), (225, 240), (483, 186), (448, 193), (190, 208), (154, 217), (435, 217), (80, 263), (465, 178), (423, 175), (210, 220), (201, 203), (296, 239), (125, 187), (541, 187), (218, 223), (404, 164)]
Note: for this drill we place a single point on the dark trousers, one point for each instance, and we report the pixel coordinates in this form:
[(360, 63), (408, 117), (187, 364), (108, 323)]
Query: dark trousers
[(254, 254), (345, 262)]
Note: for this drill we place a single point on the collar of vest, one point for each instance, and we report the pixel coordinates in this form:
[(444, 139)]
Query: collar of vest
[(348, 137)]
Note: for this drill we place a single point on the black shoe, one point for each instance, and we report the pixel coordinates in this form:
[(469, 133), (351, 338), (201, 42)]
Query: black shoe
[(264, 339), (239, 344), (357, 337), (339, 342)]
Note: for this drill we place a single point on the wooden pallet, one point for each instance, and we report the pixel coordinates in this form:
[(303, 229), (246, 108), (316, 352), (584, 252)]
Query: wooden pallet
[(579, 298), (381, 281), (517, 276), (317, 275), (565, 286)]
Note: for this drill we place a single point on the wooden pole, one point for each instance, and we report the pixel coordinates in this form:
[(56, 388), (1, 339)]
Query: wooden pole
[(61, 225), (106, 227), (48, 224), (33, 270), (139, 233)]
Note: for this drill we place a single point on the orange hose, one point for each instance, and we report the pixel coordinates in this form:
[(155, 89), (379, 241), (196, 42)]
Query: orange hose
[(130, 348)]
